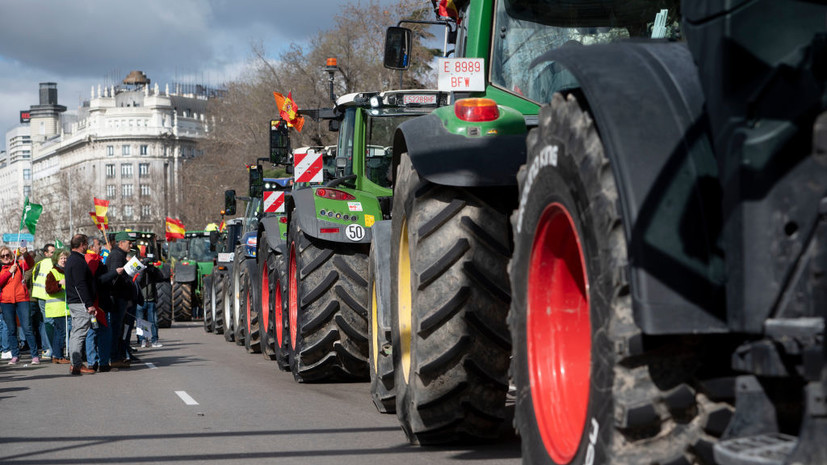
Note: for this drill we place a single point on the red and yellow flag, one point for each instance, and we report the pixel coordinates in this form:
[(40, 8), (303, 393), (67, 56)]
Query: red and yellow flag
[(99, 215), (288, 110), (174, 229), (447, 8), (222, 226)]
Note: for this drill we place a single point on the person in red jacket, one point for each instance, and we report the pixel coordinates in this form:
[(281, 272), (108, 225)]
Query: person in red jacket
[(14, 301)]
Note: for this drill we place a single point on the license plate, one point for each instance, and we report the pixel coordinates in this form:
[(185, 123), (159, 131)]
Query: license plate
[(419, 99), (461, 75)]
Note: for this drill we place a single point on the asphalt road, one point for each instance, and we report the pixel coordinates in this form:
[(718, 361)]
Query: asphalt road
[(200, 399)]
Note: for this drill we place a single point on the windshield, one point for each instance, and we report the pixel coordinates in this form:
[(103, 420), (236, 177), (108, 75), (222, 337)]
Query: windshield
[(178, 249), (526, 29), (250, 214), (345, 145), (199, 249), (380, 146)]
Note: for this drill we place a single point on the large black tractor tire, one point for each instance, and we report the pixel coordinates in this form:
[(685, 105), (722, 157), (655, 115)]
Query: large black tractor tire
[(163, 304), (590, 388), (326, 313), (451, 348), (251, 305), (272, 272), (182, 301), (229, 296), (238, 298), (382, 390), (218, 303), (208, 311)]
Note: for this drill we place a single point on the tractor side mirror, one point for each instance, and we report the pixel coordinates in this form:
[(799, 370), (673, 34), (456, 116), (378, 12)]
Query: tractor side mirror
[(213, 240), (398, 47), (334, 125), (229, 202), (279, 143), (256, 181)]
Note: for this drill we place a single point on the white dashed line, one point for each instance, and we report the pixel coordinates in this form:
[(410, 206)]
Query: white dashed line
[(186, 398), (151, 365)]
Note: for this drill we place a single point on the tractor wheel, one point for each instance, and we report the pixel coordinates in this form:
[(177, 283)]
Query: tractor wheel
[(238, 298), (252, 308), (164, 304), (280, 314), (327, 317), (208, 310), (218, 303), (229, 297), (182, 300), (586, 390), (265, 270), (382, 390), (451, 346)]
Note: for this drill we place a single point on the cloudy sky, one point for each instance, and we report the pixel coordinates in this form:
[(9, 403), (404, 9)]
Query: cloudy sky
[(82, 43)]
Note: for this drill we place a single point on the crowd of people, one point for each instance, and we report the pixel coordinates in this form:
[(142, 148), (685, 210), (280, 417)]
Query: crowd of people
[(85, 291)]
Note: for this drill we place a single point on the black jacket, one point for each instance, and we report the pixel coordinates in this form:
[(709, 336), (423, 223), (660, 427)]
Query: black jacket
[(80, 285), (146, 282), (121, 286)]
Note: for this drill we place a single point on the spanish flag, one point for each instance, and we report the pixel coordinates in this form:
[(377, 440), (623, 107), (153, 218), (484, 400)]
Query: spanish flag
[(288, 110), (222, 226), (99, 215), (174, 229), (447, 8)]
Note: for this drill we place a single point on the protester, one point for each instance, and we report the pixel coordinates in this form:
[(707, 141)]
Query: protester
[(5, 349), (99, 340), (14, 301), (39, 297), (80, 295), (146, 311), (56, 310), (123, 294)]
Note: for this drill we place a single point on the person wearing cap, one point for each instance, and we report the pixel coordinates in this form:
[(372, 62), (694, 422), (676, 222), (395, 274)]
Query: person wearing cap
[(123, 290)]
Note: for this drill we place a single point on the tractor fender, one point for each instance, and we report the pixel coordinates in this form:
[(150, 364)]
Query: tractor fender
[(449, 159), (381, 231), (166, 271), (184, 273), (271, 225), (248, 249), (304, 213), (648, 106)]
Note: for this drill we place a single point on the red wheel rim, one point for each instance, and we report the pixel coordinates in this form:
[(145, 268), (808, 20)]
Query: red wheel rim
[(278, 322), (293, 297), (558, 330), (265, 296)]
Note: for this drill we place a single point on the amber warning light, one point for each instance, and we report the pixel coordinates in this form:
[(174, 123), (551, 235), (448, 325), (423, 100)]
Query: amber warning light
[(476, 109), (331, 62)]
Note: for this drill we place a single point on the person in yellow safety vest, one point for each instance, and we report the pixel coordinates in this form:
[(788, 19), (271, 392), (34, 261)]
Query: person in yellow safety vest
[(56, 309), (211, 227), (38, 300)]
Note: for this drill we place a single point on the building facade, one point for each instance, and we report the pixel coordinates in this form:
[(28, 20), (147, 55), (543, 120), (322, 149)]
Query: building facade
[(126, 144)]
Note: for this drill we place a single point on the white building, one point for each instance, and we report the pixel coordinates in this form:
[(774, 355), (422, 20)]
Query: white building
[(16, 169), (126, 144)]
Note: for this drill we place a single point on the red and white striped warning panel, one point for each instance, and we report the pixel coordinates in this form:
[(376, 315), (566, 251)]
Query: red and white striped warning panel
[(308, 167), (273, 201)]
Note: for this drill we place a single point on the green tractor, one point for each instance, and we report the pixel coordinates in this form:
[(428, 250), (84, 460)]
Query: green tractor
[(329, 215), (223, 242), (192, 260), (635, 228)]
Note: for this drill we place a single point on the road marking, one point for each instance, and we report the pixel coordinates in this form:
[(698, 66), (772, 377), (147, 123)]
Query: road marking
[(151, 365), (186, 398)]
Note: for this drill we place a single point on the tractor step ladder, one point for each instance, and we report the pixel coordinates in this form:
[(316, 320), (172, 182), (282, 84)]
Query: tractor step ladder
[(763, 449)]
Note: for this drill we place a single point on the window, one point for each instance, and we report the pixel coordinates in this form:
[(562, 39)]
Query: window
[(124, 150), (143, 170), (145, 190), (146, 211), (144, 149), (111, 191), (110, 150), (166, 150), (27, 174), (126, 170), (110, 171), (126, 190), (27, 191), (127, 211)]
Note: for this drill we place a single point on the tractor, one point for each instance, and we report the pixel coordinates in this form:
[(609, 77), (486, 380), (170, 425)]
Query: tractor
[(192, 261), (329, 234), (223, 242), (656, 296)]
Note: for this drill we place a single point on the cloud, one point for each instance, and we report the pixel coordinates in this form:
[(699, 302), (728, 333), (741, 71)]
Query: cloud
[(82, 43)]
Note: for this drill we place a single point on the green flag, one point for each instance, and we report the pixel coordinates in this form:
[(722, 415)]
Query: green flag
[(31, 213), (59, 244)]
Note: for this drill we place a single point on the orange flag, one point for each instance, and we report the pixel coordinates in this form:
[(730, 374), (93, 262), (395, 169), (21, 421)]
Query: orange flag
[(289, 110), (174, 229)]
